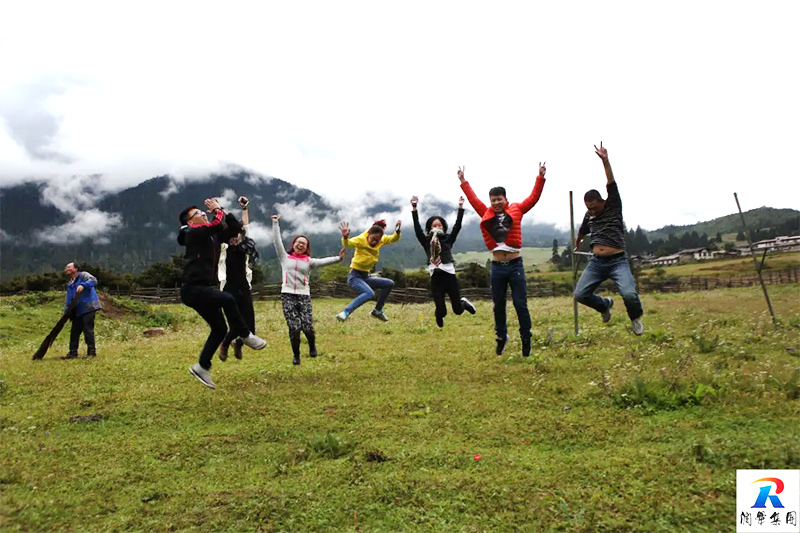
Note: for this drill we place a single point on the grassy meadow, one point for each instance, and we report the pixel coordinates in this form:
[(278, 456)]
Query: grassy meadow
[(400, 426), (531, 256)]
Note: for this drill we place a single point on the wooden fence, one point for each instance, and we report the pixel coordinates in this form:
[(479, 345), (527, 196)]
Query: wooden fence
[(536, 288)]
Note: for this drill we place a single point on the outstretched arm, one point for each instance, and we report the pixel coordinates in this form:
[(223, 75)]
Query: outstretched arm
[(528, 203), (327, 260), (276, 238), (602, 153)]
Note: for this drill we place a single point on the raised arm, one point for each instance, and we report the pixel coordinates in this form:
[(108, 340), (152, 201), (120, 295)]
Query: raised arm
[(276, 238), (415, 217), (213, 226), (476, 204), (459, 219), (347, 242), (528, 203), (602, 153), (394, 237), (243, 201)]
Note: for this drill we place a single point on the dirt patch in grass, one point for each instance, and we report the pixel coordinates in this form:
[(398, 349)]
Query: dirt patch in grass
[(113, 310)]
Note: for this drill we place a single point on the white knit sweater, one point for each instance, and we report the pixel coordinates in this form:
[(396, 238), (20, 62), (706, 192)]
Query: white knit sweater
[(296, 271)]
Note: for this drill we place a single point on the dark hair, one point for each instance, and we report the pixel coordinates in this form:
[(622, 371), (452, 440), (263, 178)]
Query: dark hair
[(184, 216), (497, 191), (379, 226), (75, 264), (592, 196), (308, 247)]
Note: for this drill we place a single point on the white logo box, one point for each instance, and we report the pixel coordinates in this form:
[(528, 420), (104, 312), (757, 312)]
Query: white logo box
[(769, 518)]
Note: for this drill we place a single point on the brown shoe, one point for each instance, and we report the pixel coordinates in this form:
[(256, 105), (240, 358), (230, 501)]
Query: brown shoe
[(237, 349), (223, 352), (70, 355)]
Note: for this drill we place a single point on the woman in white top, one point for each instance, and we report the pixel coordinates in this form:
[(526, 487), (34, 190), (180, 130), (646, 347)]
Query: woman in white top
[(295, 294)]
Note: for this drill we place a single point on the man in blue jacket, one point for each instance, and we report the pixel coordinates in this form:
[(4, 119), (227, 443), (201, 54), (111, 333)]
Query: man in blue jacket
[(81, 286)]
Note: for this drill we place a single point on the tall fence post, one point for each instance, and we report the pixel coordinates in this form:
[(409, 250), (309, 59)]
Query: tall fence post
[(574, 263), (755, 261)]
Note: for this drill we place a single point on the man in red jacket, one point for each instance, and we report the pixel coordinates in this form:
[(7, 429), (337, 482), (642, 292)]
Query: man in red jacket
[(502, 233)]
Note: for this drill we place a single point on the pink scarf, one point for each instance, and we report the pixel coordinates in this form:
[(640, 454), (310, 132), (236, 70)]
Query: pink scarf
[(303, 257)]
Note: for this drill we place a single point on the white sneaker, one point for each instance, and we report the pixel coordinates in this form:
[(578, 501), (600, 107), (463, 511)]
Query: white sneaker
[(607, 313), (203, 375), (251, 341), (638, 327), (341, 317), (468, 305)]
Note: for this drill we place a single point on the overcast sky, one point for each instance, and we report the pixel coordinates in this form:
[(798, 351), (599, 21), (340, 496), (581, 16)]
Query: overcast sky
[(694, 100)]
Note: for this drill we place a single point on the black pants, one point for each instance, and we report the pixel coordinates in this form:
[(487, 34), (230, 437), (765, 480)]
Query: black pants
[(445, 283), (244, 301), (209, 302), (82, 324)]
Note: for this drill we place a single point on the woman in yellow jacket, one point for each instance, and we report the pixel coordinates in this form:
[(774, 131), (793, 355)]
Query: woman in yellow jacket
[(367, 246)]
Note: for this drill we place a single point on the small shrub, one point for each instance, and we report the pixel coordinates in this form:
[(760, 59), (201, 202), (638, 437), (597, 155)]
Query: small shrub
[(705, 345), (791, 387), (664, 394), (659, 336), (331, 446), (376, 456)]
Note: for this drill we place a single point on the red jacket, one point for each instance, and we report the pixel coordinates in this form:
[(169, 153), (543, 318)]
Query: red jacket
[(515, 211)]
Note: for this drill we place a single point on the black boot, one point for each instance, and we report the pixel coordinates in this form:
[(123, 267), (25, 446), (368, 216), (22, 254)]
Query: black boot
[(91, 352), (295, 350), (312, 344)]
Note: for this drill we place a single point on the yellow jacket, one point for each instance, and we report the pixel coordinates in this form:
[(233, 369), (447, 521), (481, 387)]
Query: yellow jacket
[(366, 256)]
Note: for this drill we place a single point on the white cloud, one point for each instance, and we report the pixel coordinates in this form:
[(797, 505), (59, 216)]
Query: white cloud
[(74, 194), (336, 98), (91, 224)]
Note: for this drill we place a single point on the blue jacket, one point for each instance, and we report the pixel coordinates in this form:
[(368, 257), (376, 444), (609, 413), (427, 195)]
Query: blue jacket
[(88, 300)]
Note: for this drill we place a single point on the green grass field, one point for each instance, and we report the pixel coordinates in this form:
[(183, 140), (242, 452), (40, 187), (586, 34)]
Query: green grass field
[(531, 257), (601, 432)]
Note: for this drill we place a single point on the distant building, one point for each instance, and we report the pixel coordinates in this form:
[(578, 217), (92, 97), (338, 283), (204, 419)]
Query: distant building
[(664, 260), (778, 244), (695, 254)]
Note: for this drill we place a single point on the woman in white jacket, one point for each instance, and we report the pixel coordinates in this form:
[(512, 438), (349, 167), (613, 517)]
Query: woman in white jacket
[(295, 294)]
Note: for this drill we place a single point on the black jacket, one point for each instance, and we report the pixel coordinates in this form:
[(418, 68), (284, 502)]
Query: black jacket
[(447, 241), (202, 247)]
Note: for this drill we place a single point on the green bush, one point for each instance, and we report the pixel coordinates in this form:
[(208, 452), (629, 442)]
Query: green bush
[(330, 445), (474, 275)]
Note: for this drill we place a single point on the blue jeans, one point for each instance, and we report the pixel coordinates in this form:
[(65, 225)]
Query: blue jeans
[(505, 273), (601, 268), (366, 286)]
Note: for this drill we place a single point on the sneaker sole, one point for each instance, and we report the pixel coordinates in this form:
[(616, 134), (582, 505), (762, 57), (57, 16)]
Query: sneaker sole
[(201, 380), (257, 346)]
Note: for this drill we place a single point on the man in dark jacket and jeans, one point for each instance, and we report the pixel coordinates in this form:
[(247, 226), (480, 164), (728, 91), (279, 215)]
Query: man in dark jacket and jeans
[(200, 237), (438, 245), (81, 286), (603, 221)]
